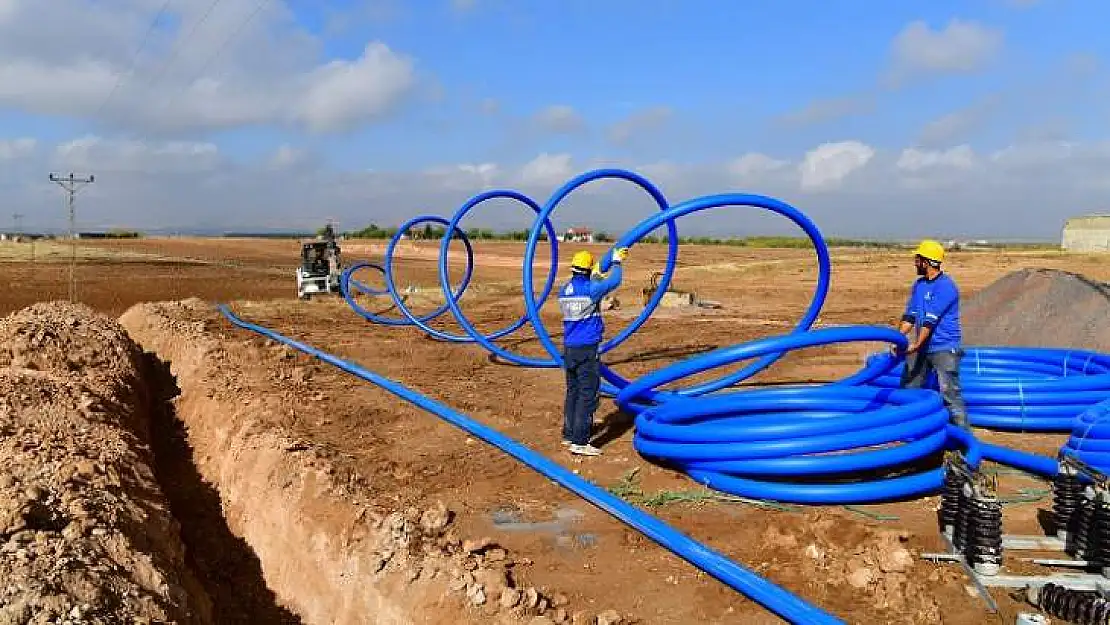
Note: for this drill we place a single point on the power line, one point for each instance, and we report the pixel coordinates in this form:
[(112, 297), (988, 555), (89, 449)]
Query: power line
[(134, 59), (219, 50), (177, 48), (72, 184)]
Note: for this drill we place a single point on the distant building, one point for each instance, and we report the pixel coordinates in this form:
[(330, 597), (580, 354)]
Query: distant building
[(578, 235), (1089, 233)]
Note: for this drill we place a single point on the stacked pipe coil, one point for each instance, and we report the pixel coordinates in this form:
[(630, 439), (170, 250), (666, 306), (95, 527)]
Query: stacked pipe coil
[(1023, 388)]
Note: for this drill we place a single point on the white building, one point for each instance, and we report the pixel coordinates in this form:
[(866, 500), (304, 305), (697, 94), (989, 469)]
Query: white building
[(1089, 233), (578, 235)]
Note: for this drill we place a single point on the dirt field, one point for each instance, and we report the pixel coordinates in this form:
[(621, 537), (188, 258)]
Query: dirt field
[(849, 561)]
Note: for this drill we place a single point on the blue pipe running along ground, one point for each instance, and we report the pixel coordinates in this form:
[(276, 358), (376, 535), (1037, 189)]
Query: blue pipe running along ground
[(774, 598)]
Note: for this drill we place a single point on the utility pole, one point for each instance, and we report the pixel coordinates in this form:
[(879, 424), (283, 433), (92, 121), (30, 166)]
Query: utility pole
[(72, 184), (18, 219)]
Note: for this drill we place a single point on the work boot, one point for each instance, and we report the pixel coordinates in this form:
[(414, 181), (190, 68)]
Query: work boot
[(584, 450)]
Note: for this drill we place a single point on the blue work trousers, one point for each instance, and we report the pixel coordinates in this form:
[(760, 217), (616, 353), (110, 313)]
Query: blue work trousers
[(946, 365), (583, 369)]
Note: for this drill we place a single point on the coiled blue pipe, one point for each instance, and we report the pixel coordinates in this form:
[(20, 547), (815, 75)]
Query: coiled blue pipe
[(1023, 388), (755, 443), (761, 443), (774, 598)]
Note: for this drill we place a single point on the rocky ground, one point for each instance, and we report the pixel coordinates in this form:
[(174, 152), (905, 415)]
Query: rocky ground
[(86, 535)]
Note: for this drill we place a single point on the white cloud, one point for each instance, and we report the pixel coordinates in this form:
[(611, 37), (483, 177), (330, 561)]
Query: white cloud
[(7, 10), (547, 170), (753, 167), (287, 156), (826, 109), (914, 160), (829, 164), (1036, 155), (464, 177), (847, 188), (935, 169), (560, 118), (223, 69), (959, 124), (17, 148), (343, 93), (961, 47), (646, 120), (108, 155)]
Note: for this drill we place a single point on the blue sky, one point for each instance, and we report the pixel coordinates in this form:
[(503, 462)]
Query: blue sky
[(382, 109)]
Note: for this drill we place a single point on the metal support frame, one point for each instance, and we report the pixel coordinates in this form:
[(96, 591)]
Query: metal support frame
[(984, 578)]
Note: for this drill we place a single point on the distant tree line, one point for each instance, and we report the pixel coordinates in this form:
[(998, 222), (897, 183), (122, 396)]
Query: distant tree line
[(773, 242), (430, 231), (123, 234), (433, 232)]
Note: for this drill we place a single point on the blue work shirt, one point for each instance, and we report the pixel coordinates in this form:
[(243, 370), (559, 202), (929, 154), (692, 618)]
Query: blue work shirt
[(935, 304), (580, 303)]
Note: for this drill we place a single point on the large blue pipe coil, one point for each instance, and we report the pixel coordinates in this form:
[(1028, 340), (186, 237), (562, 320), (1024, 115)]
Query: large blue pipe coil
[(704, 429)]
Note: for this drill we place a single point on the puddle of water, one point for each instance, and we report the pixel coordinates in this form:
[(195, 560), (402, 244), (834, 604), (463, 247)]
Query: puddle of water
[(512, 519)]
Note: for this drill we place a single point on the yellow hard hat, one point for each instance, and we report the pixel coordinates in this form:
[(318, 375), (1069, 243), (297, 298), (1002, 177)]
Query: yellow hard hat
[(930, 250), (582, 260)]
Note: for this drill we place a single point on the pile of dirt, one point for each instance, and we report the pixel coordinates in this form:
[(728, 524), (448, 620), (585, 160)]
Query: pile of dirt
[(875, 566), (1040, 308), (85, 531)]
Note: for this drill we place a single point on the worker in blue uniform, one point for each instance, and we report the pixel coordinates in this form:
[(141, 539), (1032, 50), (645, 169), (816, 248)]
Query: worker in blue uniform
[(931, 322), (583, 329)]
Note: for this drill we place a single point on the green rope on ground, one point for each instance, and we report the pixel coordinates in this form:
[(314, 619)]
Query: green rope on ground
[(878, 516), (627, 487), (996, 470), (1026, 495)]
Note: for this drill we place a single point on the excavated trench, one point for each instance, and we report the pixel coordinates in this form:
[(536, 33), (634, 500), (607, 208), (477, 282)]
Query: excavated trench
[(222, 562), (276, 529), (140, 486)]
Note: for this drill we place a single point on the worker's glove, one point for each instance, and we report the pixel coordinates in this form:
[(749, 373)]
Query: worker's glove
[(899, 352), (620, 254), (596, 271)]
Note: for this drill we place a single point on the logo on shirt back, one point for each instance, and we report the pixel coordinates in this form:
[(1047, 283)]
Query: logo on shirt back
[(569, 290)]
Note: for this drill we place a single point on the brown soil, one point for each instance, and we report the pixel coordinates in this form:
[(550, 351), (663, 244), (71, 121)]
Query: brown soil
[(86, 531), (297, 449)]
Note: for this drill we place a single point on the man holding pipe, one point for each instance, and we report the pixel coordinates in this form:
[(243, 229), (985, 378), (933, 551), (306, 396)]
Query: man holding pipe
[(931, 322), (583, 328)]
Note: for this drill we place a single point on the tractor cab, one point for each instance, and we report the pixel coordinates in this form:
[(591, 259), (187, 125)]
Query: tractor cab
[(320, 267), (314, 258)]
